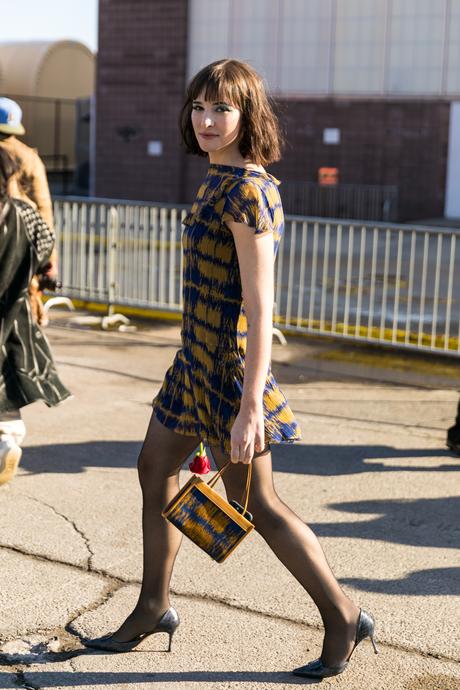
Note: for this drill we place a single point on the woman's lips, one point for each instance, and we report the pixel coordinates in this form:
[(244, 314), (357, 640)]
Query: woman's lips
[(208, 136)]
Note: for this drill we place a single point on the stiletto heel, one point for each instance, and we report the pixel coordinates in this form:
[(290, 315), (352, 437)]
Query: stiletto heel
[(376, 651), (316, 669), (168, 623), (170, 640)]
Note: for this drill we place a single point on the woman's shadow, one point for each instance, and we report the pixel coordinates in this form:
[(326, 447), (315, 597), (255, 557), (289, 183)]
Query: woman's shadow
[(305, 459), (59, 679)]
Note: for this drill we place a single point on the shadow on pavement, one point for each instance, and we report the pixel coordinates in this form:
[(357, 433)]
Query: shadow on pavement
[(61, 679), (431, 522), (77, 457), (426, 522), (319, 460), (431, 582), (334, 460)]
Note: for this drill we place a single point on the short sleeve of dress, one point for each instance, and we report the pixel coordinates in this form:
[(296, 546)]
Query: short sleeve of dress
[(247, 203)]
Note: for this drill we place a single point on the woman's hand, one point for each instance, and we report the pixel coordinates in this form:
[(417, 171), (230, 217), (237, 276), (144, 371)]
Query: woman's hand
[(51, 269), (247, 435)]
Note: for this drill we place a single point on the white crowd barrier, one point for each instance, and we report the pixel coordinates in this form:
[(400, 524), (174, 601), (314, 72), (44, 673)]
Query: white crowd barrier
[(371, 282)]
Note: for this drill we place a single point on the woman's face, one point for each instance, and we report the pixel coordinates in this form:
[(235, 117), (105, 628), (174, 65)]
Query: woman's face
[(216, 126)]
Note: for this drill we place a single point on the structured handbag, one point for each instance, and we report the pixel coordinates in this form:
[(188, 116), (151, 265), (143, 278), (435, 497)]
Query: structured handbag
[(209, 520)]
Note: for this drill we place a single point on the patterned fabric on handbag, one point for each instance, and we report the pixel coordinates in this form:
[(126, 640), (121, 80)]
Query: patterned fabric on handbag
[(208, 519)]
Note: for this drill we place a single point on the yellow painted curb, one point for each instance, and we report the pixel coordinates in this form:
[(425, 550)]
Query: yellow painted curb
[(126, 310), (374, 333)]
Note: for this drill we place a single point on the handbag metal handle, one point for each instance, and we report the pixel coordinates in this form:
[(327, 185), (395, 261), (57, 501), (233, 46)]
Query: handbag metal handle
[(245, 496)]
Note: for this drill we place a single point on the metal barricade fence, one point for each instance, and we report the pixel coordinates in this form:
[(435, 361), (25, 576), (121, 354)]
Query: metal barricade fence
[(367, 202), (369, 282), (124, 253)]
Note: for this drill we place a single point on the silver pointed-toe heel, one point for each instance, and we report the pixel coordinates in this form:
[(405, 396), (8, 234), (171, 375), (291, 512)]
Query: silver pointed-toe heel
[(168, 623), (316, 668)]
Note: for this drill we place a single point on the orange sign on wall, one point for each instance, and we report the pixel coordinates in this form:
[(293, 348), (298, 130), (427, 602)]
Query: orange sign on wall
[(328, 176)]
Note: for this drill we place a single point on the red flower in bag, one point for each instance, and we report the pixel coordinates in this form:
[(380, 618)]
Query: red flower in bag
[(200, 463)]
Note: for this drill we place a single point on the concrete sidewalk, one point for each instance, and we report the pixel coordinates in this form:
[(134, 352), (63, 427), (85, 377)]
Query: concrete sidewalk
[(372, 477)]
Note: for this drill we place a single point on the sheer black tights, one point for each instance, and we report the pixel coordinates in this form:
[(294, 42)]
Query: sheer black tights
[(160, 460), (288, 536), (297, 547)]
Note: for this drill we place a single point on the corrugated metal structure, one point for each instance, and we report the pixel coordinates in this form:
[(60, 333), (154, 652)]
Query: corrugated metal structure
[(47, 79)]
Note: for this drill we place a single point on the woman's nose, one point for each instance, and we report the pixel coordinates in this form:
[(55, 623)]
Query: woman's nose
[(208, 121)]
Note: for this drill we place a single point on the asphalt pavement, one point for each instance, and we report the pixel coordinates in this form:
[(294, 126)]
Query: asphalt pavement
[(371, 476)]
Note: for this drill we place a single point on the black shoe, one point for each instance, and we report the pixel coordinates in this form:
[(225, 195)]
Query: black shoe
[(454, 446), (316, 669), (168, 623), (453, 440)]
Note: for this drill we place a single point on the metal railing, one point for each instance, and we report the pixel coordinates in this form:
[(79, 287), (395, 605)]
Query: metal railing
[(369, 282), (367, 202)]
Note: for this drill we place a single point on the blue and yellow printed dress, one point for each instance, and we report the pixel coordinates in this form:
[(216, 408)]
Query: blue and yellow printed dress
[(201, 393)]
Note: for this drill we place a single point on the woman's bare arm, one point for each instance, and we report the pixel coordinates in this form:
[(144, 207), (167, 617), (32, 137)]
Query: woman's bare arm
[(255, 259)]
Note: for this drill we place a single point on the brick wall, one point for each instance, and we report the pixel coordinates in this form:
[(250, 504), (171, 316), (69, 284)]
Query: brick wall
[(141, 84), (140, 87), (402, 143)]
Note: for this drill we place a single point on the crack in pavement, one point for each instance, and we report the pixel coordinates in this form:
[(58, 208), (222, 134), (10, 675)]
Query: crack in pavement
[(22, 683), (53, 645), (99, 572), (56, 561), (40, 647), (111, 589), (116, 583), (15, 670), (72, 523), (301, 623)]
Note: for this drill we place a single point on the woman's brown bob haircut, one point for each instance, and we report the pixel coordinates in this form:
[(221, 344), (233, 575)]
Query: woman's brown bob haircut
[(238, 84)]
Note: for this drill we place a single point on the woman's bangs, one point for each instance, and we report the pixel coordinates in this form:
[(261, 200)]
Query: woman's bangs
[(216, 89), (219, 90)]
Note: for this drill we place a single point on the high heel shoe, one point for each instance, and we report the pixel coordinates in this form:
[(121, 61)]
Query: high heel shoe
[(316, 669), (168, 623)]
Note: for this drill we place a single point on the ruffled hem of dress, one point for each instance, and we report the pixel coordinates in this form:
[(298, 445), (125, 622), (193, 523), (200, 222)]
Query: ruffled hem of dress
[(224, 444)]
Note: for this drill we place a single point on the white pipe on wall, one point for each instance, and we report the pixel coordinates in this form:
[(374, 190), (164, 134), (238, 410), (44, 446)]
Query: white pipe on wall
[(452, 207)]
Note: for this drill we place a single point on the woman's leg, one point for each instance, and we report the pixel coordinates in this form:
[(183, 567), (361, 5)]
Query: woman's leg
[(160, 460), (298, 549)]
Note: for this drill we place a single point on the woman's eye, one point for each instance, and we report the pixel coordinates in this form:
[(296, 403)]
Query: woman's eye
[(222, 109), (197, 107)]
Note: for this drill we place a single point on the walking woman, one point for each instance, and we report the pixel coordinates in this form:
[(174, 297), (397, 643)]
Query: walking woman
[(220, 388), (27, 371)]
